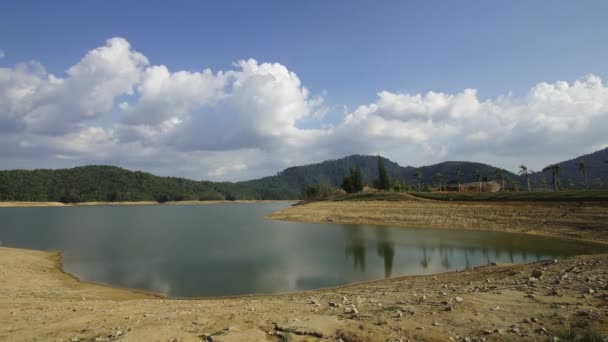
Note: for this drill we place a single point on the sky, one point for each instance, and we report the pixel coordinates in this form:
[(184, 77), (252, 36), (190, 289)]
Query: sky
[(236, 90)]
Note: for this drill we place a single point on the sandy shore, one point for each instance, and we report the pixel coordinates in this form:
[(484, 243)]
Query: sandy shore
[(12, 204), (504, 302)]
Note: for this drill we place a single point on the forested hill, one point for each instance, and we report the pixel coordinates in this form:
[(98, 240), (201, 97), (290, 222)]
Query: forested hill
[(109, 183), (597, 163)]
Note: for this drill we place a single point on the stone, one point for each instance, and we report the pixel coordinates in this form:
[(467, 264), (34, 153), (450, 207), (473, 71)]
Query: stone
[(488, 332), (459, 299), (537, 273)]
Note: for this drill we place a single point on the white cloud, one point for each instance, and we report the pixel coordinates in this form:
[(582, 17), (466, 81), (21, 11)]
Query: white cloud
[(2, 55), (114, 107)]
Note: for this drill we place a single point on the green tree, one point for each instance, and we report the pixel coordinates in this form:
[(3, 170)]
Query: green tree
[(523, 170), (348, 185), (437, 178), (500, 175), (418, 176), (458, 175), (479, 177), (383, 181), (357, 179), (583, 168), (554, 169)]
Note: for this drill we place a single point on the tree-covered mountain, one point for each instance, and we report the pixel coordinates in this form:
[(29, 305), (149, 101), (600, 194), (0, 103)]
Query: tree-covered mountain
[(110, 183), (597, 171)]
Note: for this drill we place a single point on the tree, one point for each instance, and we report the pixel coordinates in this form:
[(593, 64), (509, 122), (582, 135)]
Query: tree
[(500, 175), (347, 184), (523, 170), (458, 175), (479, 177), (357, 179), (353, 182), (383, 181), (418, 176), (583, 168), (437, 178), (555, 174)]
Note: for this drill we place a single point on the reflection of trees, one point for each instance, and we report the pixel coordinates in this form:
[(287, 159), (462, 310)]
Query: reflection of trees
[(425, 259), (445, 252), (386, 250), (355, 245)]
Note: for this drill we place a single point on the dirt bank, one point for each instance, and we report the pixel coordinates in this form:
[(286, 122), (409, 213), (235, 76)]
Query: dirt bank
[(573, 220)]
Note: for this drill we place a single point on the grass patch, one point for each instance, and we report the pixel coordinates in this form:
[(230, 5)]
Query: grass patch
[(367, 196), (545, 196)]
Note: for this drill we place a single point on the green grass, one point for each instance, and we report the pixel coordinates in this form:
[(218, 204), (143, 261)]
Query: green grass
[(367, 196), (546, 196)]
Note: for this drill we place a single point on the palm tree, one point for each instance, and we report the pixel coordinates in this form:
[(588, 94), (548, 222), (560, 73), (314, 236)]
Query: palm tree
[(418, 176), (523, 170), (501, 175), (555, 174), (583, 167), (458, 174), (479, 177), (437, 179)]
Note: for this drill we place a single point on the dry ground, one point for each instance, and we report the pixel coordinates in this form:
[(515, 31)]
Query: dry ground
[(504, 302), (573, 220)]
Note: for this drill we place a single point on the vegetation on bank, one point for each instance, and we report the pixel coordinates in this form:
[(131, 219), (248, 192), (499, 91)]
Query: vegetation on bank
[(542, 196)]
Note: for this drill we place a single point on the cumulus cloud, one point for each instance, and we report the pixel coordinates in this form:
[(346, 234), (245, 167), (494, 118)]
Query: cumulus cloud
[(114, 107)]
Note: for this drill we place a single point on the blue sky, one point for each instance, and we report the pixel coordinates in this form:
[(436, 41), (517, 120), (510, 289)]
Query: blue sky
[(344, 52)]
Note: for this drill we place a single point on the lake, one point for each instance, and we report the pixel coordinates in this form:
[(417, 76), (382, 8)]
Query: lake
[(230, 249)]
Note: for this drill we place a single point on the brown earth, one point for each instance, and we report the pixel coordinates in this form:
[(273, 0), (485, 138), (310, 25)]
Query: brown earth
[(572, 220), (505, 302)]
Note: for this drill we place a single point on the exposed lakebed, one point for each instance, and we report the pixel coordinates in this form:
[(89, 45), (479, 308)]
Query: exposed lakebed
[(230, 249)]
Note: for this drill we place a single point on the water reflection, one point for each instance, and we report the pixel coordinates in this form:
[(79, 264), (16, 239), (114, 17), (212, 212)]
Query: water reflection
[(355, 246), (386, 250), (230, 249)]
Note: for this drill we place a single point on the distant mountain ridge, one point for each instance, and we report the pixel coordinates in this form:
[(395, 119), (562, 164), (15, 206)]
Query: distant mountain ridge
[(110, 183)]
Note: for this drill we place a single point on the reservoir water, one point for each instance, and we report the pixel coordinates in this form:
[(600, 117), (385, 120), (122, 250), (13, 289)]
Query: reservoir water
[(231, 249)]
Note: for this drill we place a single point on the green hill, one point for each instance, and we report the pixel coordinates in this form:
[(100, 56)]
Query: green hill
[(110, 183)]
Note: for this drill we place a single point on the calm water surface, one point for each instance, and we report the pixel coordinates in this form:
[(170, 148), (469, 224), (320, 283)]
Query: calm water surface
[(230, 249)]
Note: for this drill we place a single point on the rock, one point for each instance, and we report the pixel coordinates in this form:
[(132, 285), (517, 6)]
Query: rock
[(541, 330), (459, 299), (527, 320), (590, 291), (531, 296), (74, 339), (399, 313), (449, 308), (488, 332), (345, 300), (537, 273), (496, 308), (553, 292), (333, 305), (436, 324), (497, 331), (314, 301), (534, 319)]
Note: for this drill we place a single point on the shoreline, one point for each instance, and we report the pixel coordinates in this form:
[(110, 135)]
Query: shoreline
[(17, 204), (486, 301)]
